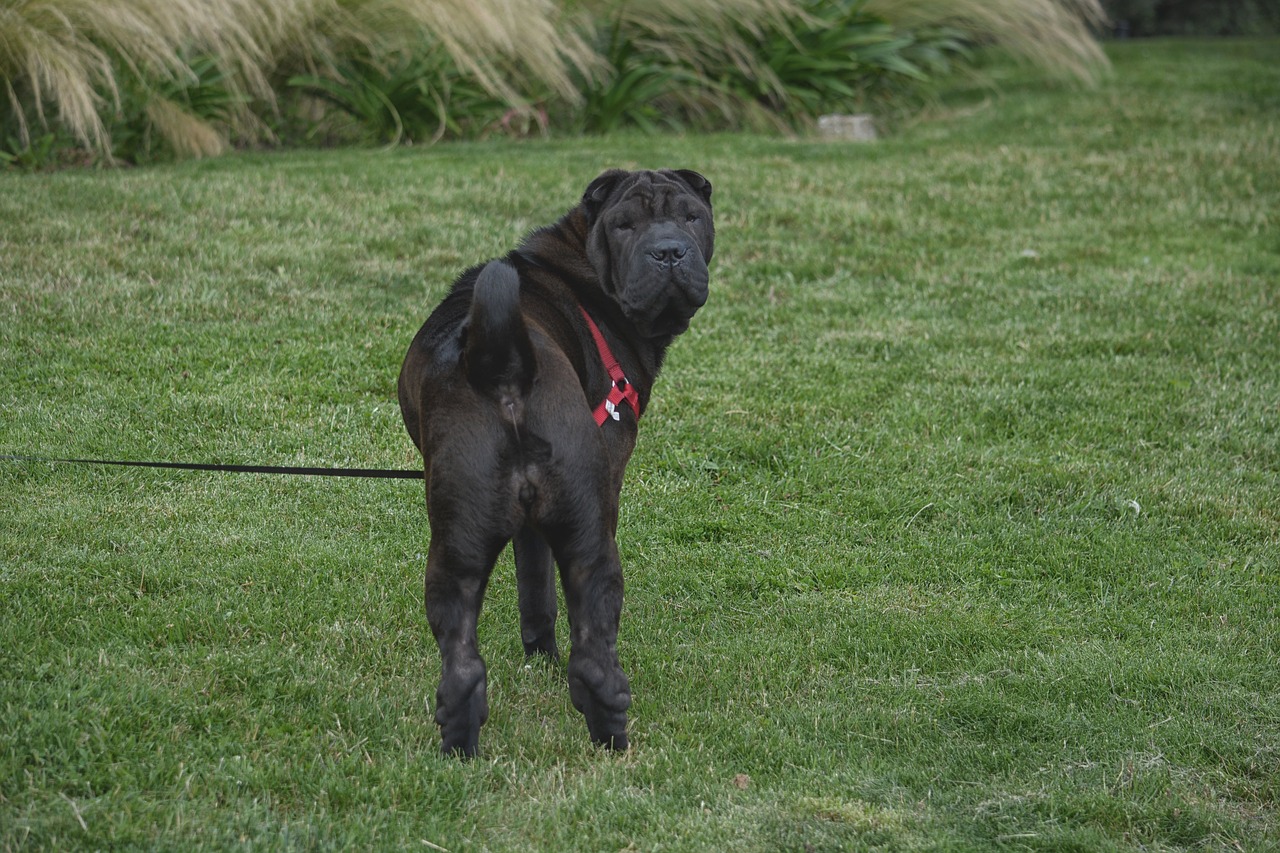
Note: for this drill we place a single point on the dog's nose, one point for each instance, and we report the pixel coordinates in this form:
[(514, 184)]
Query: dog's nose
[(669, 252)]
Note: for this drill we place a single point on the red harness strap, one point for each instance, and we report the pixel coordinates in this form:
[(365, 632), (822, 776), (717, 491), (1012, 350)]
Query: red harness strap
[(622, 390)]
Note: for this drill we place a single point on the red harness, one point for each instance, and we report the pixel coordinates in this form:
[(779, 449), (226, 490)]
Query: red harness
[(622, 390)]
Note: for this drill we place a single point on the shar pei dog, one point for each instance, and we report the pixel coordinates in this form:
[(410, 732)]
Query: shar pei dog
[(523, 391)]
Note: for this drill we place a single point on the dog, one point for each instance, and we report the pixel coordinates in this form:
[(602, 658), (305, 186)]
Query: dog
[(523, 391)]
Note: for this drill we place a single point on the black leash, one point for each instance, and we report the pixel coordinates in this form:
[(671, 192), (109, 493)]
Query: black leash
[(369, 473)]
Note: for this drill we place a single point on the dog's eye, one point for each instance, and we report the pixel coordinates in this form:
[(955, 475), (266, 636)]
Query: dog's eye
[(624, 226), (692, 218)]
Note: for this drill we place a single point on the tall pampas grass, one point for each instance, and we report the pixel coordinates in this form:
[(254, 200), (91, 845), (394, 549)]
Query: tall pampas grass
[(70, 63), (73, 56), (711, 58), (485, 39), (1056, 35), (689, 32)]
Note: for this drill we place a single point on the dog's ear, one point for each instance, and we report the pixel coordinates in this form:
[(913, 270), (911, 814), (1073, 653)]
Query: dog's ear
[(598, 191), (696, 182)]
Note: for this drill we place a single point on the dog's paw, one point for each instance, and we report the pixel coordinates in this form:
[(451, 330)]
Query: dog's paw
[(603, 695), (616, 742), (542, 647), (460, 714), (608, 728)]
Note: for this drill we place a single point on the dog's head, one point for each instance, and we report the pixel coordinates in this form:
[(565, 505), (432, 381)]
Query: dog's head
[(651, 236)]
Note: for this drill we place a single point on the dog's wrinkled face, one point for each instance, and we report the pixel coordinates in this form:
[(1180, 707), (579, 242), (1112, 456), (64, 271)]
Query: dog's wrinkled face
[(651, 238)]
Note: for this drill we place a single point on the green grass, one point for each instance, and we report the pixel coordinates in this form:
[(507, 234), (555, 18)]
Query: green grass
[(954, 525)]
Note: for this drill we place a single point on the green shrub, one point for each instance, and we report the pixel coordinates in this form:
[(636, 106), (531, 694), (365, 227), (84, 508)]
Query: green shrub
[(835, 56), (188, 116), (35, 154), (780, 69), (632, 92), (403, 98)]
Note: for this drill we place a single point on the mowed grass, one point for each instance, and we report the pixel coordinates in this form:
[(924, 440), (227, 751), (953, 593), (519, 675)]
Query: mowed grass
[(954, 525)]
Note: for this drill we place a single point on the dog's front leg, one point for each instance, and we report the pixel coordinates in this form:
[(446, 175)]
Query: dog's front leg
[(453, 595)]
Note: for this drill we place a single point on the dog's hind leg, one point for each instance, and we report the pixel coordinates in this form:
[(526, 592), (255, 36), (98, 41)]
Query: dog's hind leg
[(454, 588), (597, 685), (535, 578)]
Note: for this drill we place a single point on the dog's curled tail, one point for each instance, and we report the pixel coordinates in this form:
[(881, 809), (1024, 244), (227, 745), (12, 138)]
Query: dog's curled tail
[(498, 355)]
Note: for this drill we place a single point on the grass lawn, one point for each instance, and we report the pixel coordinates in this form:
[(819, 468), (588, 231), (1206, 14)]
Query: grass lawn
[(954, 525)]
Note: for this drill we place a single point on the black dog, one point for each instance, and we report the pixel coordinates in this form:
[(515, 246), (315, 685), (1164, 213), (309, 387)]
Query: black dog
[(522, 391)]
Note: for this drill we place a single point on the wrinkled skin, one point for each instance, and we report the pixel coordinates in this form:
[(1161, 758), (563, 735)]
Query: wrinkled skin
[(498, 391), (650, 247)]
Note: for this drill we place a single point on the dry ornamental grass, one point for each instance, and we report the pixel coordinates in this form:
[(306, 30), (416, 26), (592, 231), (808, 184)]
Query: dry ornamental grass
[(63, 63)]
